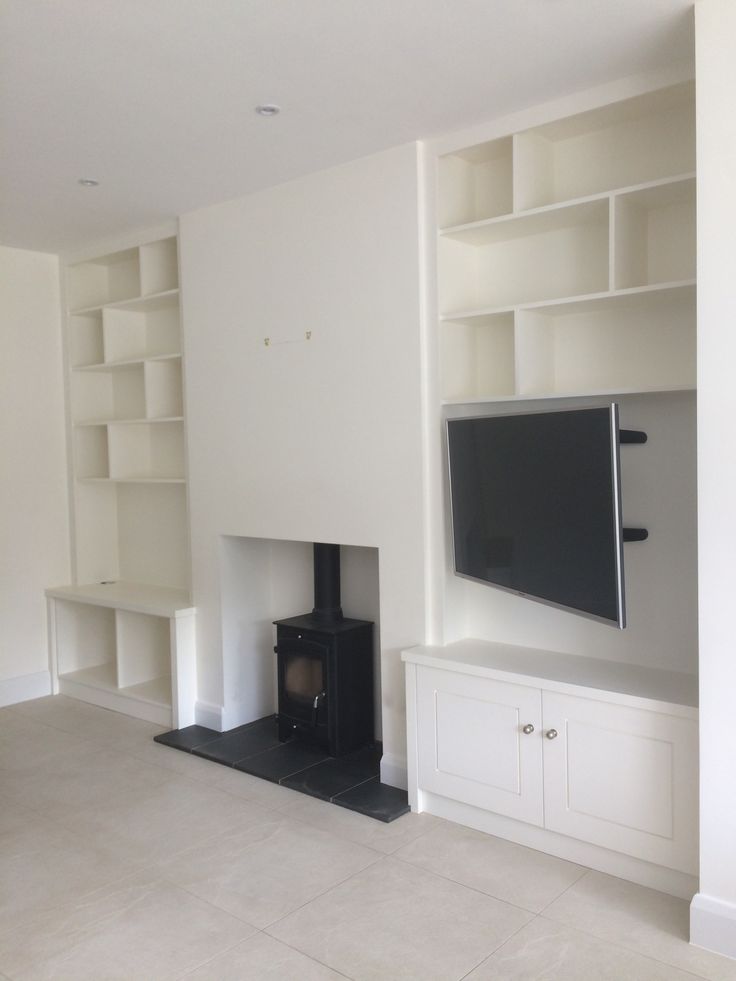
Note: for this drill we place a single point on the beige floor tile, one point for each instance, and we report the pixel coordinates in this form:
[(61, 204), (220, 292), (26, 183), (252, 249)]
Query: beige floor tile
[(384, 837), (264, 872), (261, 958), (152, 931), (80, 780), (253, 788), (43, 866), (26, 745), (88, 721), (641, 919), (499, 868), (546, 951), (160, 822), (185, 764), (394, 921)]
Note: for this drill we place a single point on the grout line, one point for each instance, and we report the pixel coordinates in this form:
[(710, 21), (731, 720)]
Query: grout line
[(585, 871), (497, 949)]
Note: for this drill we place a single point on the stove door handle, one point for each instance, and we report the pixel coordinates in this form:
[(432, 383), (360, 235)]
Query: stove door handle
[(315, 707)]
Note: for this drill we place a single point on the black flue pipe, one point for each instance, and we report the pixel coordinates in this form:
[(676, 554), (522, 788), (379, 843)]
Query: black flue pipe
[(327, 607)]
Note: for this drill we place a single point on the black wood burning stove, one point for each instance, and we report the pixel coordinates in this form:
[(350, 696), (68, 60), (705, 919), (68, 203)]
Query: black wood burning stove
[(325, 668)]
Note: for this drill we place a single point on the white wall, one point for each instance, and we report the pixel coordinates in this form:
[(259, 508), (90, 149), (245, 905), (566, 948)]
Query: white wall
[(308, 440), (34, 530), (713, 915)]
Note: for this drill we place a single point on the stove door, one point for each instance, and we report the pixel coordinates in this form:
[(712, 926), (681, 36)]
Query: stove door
[(302, 683)]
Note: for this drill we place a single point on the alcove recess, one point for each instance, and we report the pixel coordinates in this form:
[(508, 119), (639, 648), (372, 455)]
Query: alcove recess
[(119, 629), (567, 256)]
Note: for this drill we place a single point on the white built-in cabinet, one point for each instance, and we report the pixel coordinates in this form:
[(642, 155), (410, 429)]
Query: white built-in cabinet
[(566, 258), (601, 753), (121, 635)]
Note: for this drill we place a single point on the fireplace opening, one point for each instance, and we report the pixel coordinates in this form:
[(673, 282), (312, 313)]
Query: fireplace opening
[(325, 667)]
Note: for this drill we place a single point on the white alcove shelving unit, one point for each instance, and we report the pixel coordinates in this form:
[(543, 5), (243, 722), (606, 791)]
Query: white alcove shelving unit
[(566, 257), (122, 635), (565, 272)]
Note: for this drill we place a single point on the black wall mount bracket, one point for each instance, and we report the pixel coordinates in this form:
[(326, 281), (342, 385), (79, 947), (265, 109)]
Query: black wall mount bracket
[(635, 534), (631, 436)]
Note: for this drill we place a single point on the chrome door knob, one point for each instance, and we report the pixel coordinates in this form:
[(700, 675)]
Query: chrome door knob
[(528, 728), (551, 734)]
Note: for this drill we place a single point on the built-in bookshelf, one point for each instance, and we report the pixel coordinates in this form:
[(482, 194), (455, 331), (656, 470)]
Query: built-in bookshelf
[(566, 260), (114, 633)]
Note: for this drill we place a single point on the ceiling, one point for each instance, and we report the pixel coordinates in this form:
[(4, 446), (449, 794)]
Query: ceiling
[(155, 98)]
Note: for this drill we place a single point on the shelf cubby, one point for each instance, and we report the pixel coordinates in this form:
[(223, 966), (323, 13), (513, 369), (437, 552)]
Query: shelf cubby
[(654, 234), (163, 385), (108, 279), (143, 649), (146, 450), (143, 328), (476, 183), (542, 255), (85, 339), (159, 266), (641, 139), (86, 639), (91, 458), (477, 357), (104, 395)]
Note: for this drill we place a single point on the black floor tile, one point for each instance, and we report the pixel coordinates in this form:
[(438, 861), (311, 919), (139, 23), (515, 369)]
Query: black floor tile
[(375, 799), (188, 738), (283, 761), (240, 743), (335, 776)]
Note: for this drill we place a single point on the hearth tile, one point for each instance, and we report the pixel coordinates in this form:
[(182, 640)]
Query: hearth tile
[(238, 744), (283, 761), (335, 776), (376, 800), (187, 739)]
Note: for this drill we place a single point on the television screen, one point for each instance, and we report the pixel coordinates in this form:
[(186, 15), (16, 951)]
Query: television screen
[(535, 502)]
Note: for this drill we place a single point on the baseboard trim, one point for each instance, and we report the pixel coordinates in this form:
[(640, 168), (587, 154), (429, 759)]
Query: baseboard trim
[(713, 925), (24, 688), (675, 883), (393, 771), (210, 716)]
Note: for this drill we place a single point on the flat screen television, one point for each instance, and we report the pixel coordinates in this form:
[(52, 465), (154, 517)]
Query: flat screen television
[(536, 507)]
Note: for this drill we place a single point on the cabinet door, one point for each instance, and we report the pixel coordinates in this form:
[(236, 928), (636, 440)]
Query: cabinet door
[(623, 778), (472, 746)]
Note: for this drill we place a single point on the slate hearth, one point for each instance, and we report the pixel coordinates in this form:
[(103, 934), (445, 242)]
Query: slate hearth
[(351, 781)]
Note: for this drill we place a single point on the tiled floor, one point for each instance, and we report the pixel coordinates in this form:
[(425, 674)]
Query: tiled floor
[(120, 859)]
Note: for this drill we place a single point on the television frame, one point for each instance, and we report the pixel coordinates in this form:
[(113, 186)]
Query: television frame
[(618, 533)]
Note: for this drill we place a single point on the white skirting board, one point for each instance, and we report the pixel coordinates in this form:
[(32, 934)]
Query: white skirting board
[(24, 688), (582, 853), (713, 925), (210, 716), (393, 771)]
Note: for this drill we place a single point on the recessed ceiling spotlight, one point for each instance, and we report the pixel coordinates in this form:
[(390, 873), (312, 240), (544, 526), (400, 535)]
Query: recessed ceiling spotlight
[(268, 109), (88, 182)]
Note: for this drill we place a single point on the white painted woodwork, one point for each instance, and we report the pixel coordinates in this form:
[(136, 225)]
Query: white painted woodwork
[(623, 778), (620, 774), (117, 637), (594, 257), (125, 646), (472, 746)]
